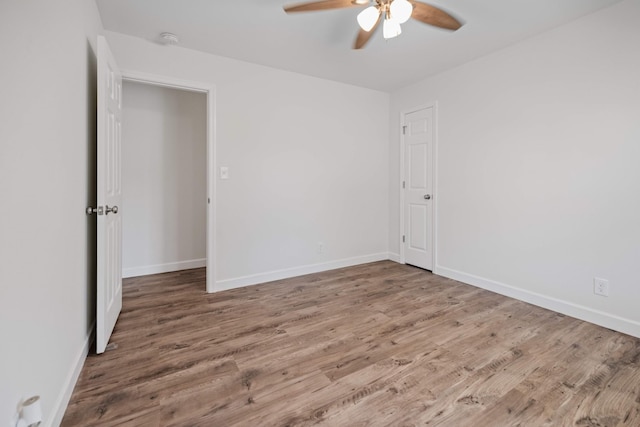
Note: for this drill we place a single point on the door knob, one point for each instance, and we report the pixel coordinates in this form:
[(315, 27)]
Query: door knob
[(91, 210), (427, 196), (113, 209)]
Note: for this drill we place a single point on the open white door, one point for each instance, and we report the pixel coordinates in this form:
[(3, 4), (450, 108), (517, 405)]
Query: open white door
[(109, 196), (417, 206)]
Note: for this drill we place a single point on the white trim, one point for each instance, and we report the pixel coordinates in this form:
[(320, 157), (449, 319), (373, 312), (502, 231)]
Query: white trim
[(165, 81), (402, 177), (60, 405), (212, 191), (434, 180), (145, 270), (395, 258), (223, 285), (435, 197), (581, 312), (210, 91)]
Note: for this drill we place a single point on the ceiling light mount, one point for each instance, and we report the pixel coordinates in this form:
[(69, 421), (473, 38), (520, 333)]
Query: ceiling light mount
[(169, 39)]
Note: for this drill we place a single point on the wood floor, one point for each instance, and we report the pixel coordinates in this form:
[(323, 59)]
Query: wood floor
[(381, 344)]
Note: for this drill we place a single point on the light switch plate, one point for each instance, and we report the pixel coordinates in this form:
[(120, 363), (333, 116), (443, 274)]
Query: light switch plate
[(224, 172)]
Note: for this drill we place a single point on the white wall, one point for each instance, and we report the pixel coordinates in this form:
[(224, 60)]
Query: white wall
[(164, 177), (538, 181), (307, 160), (47, 149)]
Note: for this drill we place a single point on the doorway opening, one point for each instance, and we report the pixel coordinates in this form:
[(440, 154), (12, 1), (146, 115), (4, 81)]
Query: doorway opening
[(167, 172)]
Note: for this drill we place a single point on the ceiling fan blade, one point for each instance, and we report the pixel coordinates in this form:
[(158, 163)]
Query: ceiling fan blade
[(364, 36), (319, 5), (433, 16)]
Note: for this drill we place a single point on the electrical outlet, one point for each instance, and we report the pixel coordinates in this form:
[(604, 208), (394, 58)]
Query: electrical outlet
[(601, 287)]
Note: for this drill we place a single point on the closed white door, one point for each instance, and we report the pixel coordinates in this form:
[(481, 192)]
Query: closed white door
[(417, 239), (109, 196)]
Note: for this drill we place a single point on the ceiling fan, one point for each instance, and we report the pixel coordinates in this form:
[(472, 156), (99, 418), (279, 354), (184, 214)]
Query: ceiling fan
[(391, 12)]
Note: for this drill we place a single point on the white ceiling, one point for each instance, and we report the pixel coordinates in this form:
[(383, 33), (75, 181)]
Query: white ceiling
[(319, 43)]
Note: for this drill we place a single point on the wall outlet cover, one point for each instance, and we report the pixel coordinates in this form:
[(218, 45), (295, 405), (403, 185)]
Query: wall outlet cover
[(601, 287)]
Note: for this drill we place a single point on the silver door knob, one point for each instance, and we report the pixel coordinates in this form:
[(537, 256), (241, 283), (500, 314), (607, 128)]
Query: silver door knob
[(109, 210), (91, 210), (427, 196)]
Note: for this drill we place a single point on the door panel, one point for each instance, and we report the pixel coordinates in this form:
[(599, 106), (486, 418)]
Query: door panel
[(417, 167), (109, 191), (417, 237), (418, 188)]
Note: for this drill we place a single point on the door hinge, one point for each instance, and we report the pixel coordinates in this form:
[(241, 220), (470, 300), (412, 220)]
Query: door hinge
[(402, 239), (403, 184), (404, 130)]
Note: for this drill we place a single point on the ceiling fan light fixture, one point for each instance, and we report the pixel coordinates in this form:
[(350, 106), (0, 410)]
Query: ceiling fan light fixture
[(169, 39), (368, 18), (391, 28), (393, 13), (401, 10)]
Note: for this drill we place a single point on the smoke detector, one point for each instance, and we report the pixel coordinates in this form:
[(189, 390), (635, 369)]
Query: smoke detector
[(169, 39)]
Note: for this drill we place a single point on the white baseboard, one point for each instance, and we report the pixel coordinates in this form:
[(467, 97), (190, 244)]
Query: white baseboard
[(60, 405), (587, 314), (163, 268), (254, 279), (394, 257)]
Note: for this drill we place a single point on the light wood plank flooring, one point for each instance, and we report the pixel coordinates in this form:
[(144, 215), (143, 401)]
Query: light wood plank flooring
[(380, 344)]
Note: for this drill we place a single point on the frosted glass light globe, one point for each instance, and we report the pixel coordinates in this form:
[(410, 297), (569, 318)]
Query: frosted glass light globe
[(391, 28), (401, 10), (368, 18)]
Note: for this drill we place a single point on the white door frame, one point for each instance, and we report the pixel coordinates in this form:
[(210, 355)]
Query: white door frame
[(210, 91), (434, 173)]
